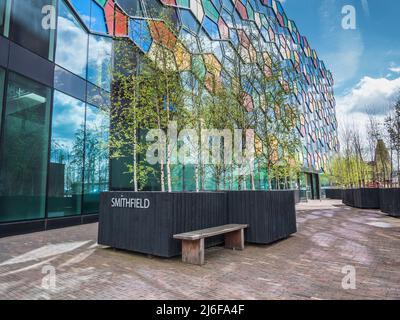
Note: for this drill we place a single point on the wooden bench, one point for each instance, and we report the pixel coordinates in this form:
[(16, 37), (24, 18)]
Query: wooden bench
[(193, 242)]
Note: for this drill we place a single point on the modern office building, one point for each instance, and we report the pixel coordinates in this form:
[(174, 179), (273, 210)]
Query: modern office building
[(55, 79)]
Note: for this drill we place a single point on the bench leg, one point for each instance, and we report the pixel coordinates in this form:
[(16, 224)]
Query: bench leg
[(235, 240), (193, 251)]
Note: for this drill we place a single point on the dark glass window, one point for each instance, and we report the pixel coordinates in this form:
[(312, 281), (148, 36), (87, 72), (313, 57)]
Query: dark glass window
[(24, 150), (27, 26), (66, 156), (69, 83), (1, 93), (96, 158), (71, 51), (134, 8), (2, 15), (5, 8)]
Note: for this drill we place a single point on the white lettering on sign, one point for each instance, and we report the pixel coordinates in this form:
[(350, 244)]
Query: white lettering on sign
[(136, 203)]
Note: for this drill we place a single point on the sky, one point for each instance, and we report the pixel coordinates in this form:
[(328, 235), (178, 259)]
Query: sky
[(365, 62)]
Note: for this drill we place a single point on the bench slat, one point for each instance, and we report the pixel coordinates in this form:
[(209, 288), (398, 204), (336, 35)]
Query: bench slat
[(210, 232)]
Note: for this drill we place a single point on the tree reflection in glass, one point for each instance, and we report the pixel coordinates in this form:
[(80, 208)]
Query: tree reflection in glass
[(66, 157), (96, 157)]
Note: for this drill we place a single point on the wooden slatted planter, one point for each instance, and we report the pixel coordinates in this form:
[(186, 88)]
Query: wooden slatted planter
[(335, 194), (147, 221), (150, 230), (271, 215), (390, 201), (362, 198)]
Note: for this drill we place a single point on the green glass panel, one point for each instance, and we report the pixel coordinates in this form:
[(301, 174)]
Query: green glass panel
[(1, 93), (23, 166), (198, 67), (101, 2), (250, 11), (183, 3), (210, 10)]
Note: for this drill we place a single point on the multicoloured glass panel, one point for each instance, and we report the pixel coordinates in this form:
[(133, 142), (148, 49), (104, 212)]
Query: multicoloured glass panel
[(213, 34)]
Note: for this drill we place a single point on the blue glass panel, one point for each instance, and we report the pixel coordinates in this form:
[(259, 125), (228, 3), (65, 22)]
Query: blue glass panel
[(189, 21), (139, 32), (211, 28), (97, 20), (82, 7)]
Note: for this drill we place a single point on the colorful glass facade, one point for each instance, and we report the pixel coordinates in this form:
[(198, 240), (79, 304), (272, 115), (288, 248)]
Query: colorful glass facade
[(53, 84), (213, 33)]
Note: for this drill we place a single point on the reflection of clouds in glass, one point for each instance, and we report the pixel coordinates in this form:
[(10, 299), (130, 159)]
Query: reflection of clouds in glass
[(71, 46), (68, 118), (86, 19), (100, 50), (97, 120)]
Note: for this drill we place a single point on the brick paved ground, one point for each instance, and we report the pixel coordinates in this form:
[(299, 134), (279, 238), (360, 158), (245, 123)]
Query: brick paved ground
[(306, 266)]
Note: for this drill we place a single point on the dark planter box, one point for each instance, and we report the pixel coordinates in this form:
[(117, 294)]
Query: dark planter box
[(296, 196), (335, 194), (362, 198), (150, 230), (148, 227), (390, 201), (271, 215)]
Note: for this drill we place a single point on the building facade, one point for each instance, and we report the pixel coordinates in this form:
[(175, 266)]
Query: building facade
[(56, 59)]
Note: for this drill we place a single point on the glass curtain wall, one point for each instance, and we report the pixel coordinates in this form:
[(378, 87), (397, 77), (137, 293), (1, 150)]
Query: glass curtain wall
[(2, 15), (24, 150), (66, 156), (72, 42), (2, 76), (96, 157), (31, 28)]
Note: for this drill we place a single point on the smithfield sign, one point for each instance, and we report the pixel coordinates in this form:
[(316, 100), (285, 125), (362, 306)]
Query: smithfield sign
[(136, 203)]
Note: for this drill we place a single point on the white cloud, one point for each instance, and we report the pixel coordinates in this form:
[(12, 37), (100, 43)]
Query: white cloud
[(370, 95), (395, 70)]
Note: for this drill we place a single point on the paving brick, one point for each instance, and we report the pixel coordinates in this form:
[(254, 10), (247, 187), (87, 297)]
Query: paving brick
[(306, 266)]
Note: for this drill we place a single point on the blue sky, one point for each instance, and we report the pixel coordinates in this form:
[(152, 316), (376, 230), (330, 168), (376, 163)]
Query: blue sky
[(365, 62)]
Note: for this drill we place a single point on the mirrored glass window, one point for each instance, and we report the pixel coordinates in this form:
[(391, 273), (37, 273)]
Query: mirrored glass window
[(24, 150), (66, 156), (71, 51), (96, 158), (99, 63)]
